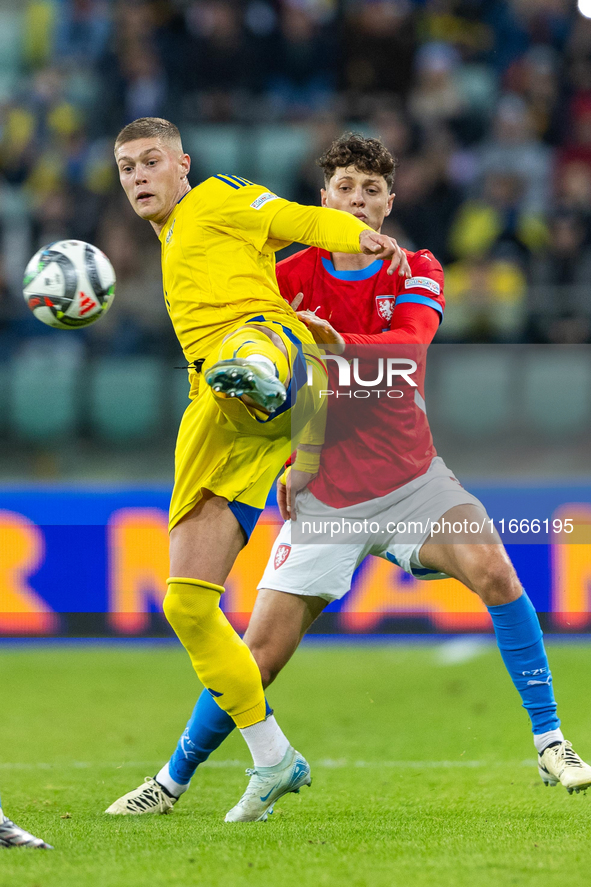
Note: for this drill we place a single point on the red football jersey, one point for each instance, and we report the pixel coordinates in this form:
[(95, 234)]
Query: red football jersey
[(374, 443)]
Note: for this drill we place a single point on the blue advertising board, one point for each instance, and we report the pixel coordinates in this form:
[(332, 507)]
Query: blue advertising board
[(94, 560)]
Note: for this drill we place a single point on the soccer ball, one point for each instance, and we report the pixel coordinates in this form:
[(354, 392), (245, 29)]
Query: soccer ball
[(69, 284)]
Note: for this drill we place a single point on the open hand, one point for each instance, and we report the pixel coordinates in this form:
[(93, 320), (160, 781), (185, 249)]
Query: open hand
[(287, 490), (382, 247)]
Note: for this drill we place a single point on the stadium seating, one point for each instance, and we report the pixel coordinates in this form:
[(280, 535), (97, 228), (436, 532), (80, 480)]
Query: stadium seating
[(215, 148), (268, 154), (280, 151), (43, 392), (126, 398), (473, 389), (557, 389), (10, 48)]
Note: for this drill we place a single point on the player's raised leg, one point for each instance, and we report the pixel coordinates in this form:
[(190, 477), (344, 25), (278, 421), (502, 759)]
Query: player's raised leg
[(12, 835), (252, 364), (484, 566)]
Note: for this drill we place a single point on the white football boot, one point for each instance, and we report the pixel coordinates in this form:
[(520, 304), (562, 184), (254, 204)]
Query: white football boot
[(149, 797), (561, 764), (268, 784), (12, 835)]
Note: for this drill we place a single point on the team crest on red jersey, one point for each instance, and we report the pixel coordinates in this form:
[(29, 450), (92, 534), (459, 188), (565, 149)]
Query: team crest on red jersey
[(281, 555), (385, 306)]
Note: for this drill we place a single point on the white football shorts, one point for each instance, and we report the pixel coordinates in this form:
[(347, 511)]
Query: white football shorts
[(325, 569)]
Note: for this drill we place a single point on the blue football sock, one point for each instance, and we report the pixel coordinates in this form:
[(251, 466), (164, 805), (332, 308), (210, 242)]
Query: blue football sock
[(519, 638), (206, 729)]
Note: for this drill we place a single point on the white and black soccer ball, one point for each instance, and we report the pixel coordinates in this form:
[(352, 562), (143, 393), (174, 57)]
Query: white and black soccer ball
[(69, 284)]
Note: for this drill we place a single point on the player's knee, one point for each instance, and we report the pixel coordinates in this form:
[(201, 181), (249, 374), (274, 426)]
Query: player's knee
[(175, 612), (497, 582), (187, 612)]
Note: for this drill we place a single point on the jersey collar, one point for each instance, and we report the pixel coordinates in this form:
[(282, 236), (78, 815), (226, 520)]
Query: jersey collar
[(360, 274), (166, 226)]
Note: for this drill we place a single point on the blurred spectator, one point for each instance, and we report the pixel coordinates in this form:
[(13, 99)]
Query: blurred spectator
[(392, 126), (53, 217), (499, 223), (577, 147), (519, 24), (436, 98), (459, 24), (219, 66), (513, 149), (17, 145), (309, 179), (535, 76), (426, 198), (573, 189), (378, 46), (138, 321), (144, 84), (302, 79), (82, 30), (478, 175), (485, 301), (38, 28), (559, 302), (134, 79)]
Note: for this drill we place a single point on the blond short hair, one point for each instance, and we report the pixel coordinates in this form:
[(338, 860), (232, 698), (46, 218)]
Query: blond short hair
[(148, 128)]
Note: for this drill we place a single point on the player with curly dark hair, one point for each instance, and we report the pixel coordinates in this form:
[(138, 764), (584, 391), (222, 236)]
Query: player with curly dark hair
[(366, 155)]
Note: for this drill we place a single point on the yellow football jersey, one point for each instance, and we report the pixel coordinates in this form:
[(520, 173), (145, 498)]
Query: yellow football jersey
[(218, 264)]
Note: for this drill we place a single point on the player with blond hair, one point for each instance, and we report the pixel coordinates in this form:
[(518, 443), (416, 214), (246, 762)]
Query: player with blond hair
[(378, 462), (250, 358)]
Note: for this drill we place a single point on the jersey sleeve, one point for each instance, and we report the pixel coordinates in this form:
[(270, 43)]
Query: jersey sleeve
[(411, 325), (245, 209), (425, 286), (319, 226)]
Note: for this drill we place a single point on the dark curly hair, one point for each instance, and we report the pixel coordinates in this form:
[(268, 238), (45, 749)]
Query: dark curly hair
[(366, 155)]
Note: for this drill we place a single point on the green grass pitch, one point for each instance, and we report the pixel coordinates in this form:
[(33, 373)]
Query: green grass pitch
[(424, 773)]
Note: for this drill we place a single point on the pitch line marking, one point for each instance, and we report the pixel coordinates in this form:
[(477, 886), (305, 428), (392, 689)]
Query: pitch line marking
[(326, 763)]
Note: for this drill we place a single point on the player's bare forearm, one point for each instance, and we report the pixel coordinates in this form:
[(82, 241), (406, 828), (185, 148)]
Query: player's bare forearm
[(324, 333), (292, 482)]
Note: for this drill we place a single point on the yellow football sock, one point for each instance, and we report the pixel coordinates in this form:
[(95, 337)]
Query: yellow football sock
[(248, 341), (223, 662)]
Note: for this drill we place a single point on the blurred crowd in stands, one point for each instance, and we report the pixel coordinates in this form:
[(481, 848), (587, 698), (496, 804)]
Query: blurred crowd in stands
[(486, 104)]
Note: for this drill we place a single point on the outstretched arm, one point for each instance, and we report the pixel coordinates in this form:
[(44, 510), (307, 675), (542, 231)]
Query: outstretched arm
[(335, 231), (411, 325)]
